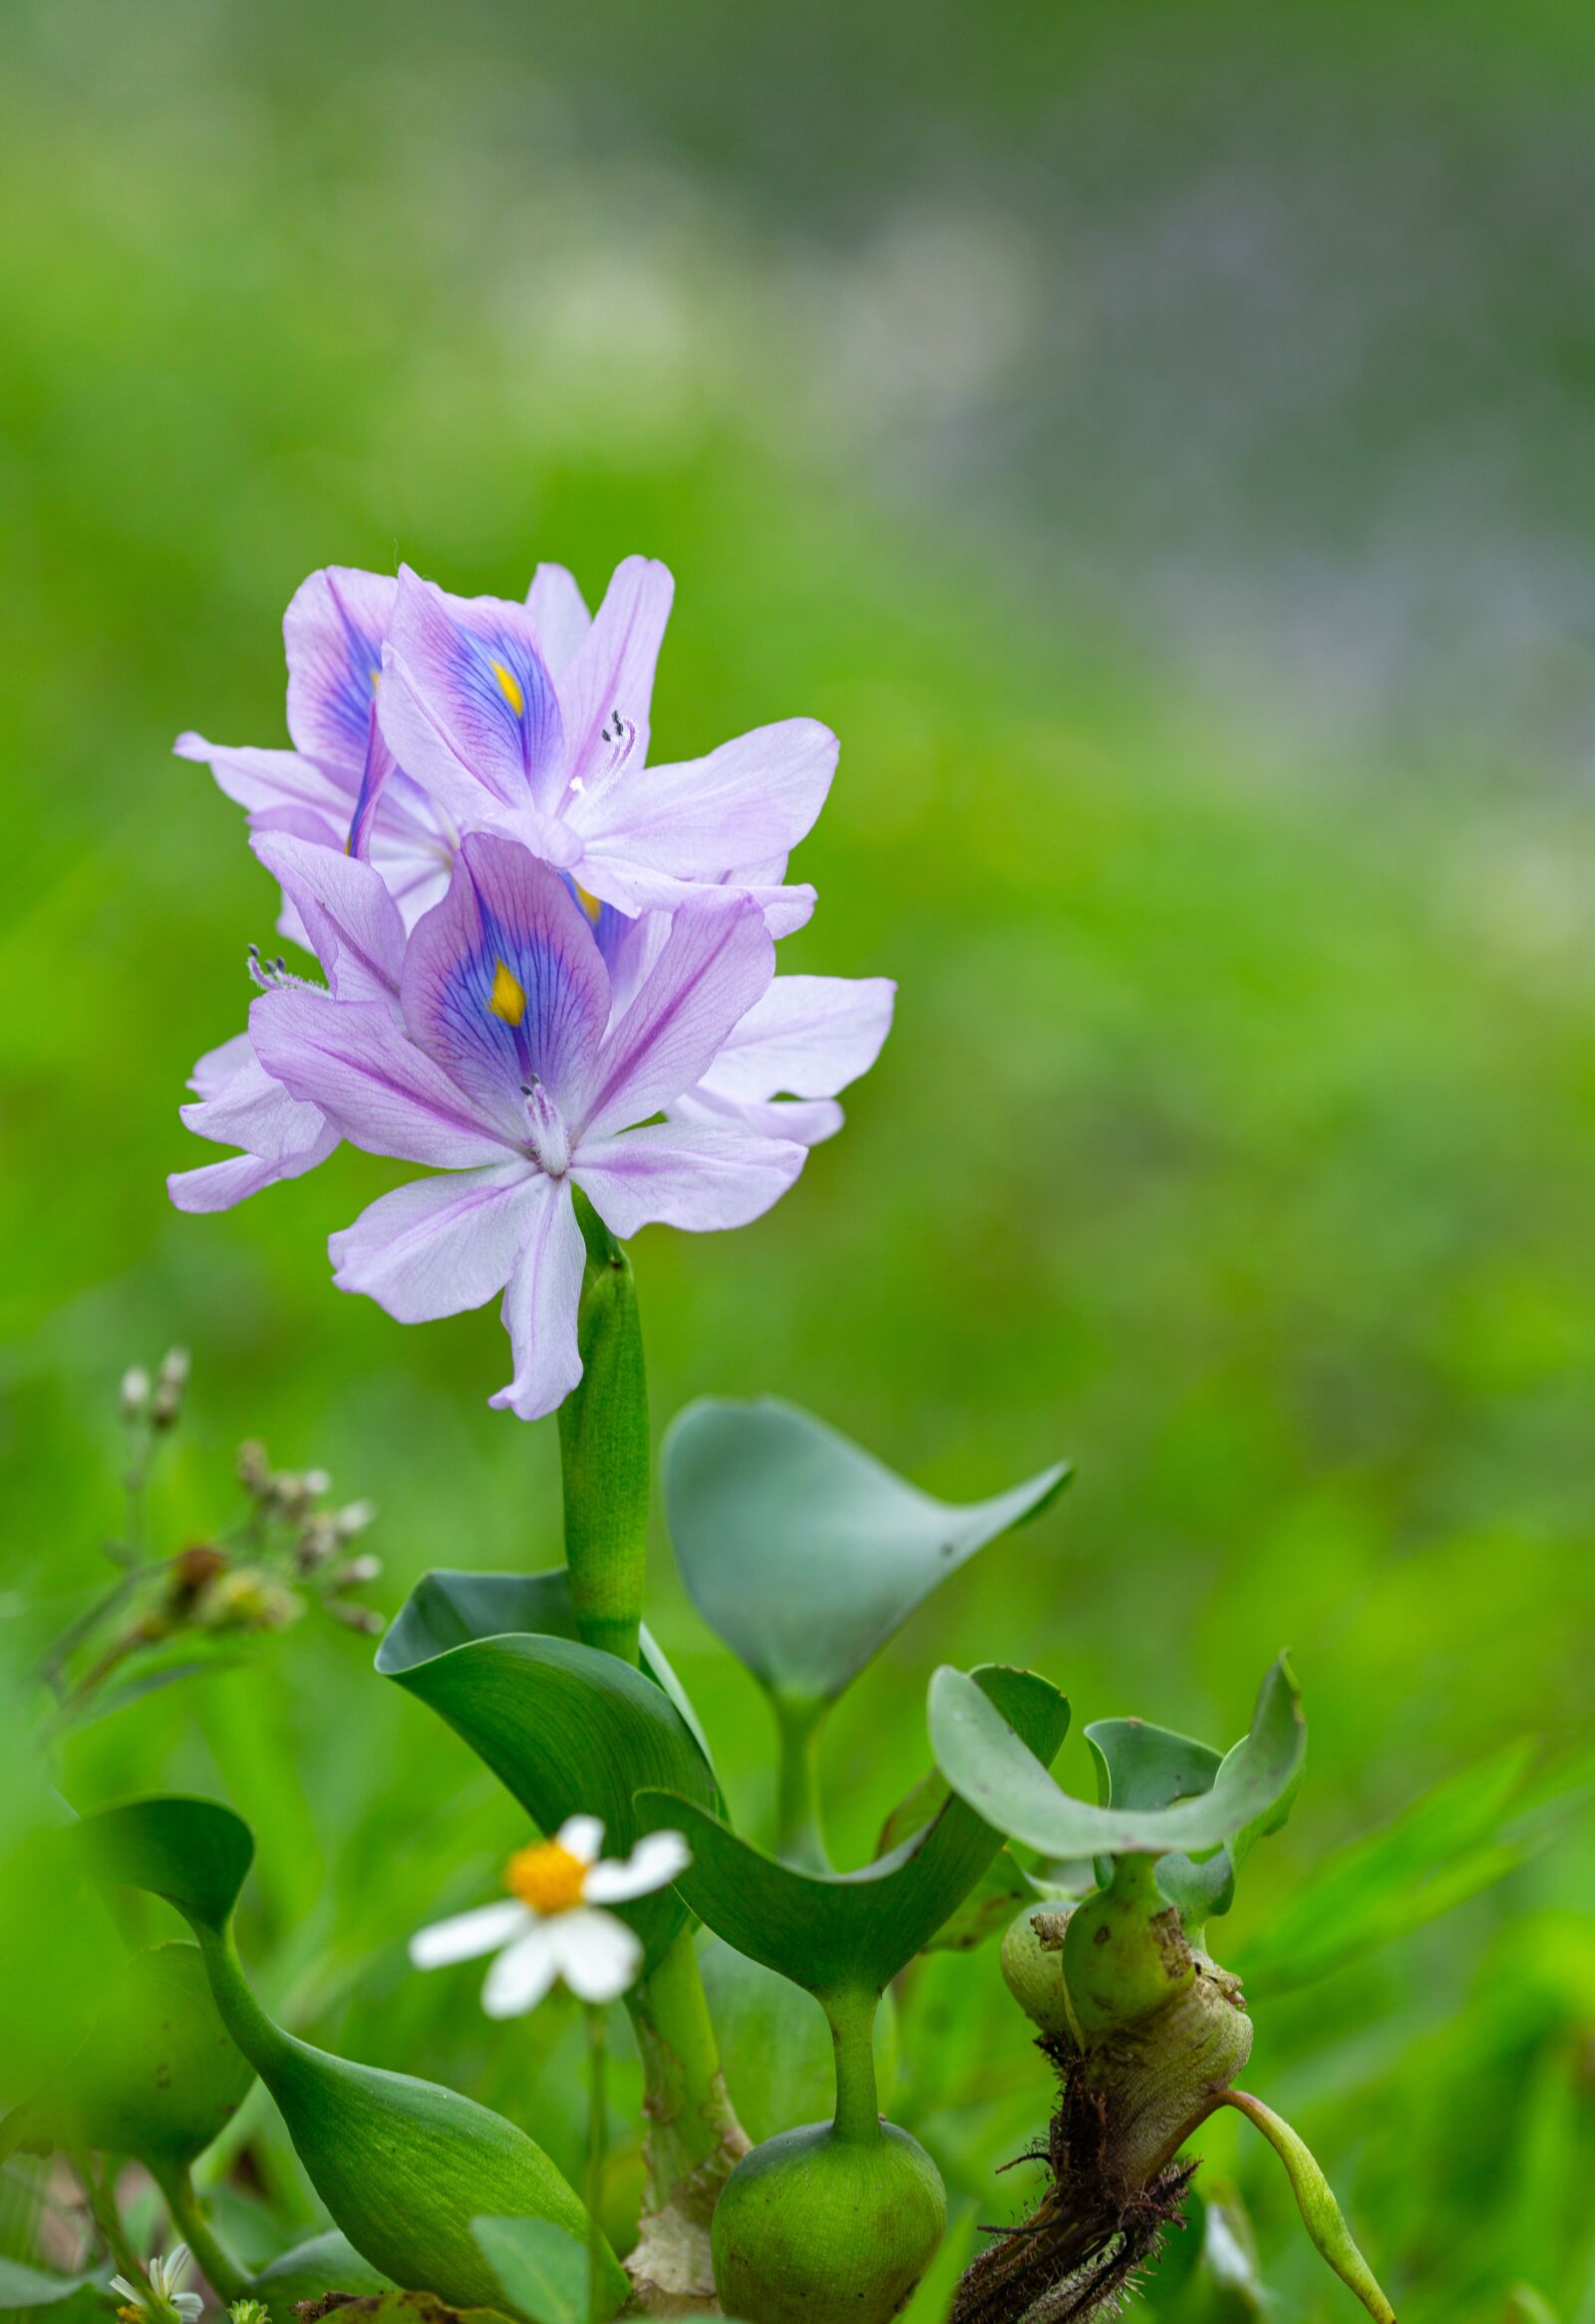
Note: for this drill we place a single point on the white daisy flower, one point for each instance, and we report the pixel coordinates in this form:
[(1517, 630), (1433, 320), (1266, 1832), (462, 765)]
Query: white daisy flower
[(552, 1924), (163, 2301)]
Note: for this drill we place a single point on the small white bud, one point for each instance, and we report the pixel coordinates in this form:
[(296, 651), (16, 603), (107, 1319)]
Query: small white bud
[(357, 1572), (353, 1520), (316, 1482), (134, 1392), (174, 1366)]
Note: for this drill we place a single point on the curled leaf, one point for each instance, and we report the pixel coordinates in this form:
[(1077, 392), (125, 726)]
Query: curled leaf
[(853, 1931), (992, 1769)]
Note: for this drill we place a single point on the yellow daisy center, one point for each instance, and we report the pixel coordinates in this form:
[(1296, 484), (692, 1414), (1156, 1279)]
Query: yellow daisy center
[(548, 1877)]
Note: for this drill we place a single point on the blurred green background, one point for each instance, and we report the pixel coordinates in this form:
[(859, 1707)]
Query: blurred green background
[(1157, 439)]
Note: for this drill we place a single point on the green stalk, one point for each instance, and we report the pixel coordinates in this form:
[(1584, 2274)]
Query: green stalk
[(694, 2137), (853, 2030), (598, 2142), (799, 1834), (603, 1451), (215, 2263)]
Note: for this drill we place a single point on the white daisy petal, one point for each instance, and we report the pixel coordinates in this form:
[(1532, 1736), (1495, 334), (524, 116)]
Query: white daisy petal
[(120, 2283), (519, 1978), (599, 1957), (653, 1863), (189, 2306), (469, 1934), (582, 1835)]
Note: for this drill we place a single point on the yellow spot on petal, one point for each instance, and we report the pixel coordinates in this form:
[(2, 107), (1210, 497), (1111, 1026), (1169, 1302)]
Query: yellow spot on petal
[(548, 1877), (589, 903), (508, 1000), (509, 686), (376, 680)]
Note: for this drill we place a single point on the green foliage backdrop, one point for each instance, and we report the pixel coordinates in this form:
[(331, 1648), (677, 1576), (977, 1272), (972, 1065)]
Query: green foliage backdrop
[(1156, 442)]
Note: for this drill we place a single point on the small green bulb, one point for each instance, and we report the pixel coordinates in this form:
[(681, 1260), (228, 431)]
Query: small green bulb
[(813, 2225), (1033, 1971), (1125, 1953)]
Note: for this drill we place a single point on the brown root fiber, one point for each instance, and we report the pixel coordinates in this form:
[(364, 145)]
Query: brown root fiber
[(1127, 2104)]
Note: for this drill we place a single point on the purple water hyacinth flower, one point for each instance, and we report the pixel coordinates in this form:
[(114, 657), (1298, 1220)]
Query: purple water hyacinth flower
[(777, 1072), (533, 720), (499, 1061)]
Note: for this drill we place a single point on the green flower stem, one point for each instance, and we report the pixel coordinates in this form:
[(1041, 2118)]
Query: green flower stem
[(800, 1836), (215, 2263), (852, 2030), (597, 2146), (603, 1451), (694, 2137), (1315, 2198)]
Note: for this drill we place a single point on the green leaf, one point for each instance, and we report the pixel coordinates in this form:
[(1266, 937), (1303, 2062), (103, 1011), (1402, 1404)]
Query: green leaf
[(988, 1908), (804, 1552), (323, 2263), (838, 1932), (567, 1729), (158, 2078), (22, 2286), (542, 2271), (990, 1767), (193, 1853), (403, 2165)]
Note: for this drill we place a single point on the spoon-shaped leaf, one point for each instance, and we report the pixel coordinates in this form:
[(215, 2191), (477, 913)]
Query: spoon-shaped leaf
[(804, 1552), (1141, 1766), (990, 1767), (851, 1931), (567, 1729), (158, 2078), (402, 2166)]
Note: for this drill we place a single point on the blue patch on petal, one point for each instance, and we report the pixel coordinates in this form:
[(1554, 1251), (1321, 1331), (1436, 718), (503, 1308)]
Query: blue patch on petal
[(505, 681), (506, 986), (353, 691)]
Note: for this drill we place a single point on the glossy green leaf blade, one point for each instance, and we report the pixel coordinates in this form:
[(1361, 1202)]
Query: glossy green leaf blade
[(567, 1729), (449, 1608), (989, 1766), (403, 2165), (542, 2271), (193, 1853), (831, 1932), (158, 2078), (1140, 1766), (801, 1549)]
